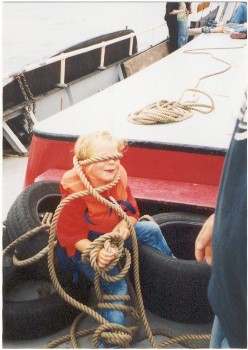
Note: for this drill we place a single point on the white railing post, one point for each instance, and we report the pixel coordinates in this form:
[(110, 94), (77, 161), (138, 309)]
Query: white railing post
[(131, 46), (62, 72), (61, 57), (102, 56)]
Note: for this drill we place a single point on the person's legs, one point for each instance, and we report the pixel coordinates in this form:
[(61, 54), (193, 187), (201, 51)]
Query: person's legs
[(149, 232), (109, 288), (240, 15), (116, 288), (186, 33), (173, 34), (233, 27), (182, 33), (241, 30), (218, 338)]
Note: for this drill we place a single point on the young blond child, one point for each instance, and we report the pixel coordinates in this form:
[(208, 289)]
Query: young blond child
[(84, 219)]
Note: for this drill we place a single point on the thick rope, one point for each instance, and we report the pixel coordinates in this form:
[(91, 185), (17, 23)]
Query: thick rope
[(199, 52), (122, 214), (122, 335), (46, 222), (111, 333), (164, 112), (22, 238)]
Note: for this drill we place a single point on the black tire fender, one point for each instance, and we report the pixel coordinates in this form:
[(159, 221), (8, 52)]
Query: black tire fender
[(8, 267), (26, 214), (33, 317), (176, 288), (28, 319)]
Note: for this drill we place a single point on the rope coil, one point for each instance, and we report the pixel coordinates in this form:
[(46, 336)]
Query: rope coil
[(164, 112)]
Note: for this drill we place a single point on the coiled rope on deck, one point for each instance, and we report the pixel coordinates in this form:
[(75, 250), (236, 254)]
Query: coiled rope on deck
[(164, 111)]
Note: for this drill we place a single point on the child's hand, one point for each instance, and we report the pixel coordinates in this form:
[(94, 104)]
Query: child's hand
[(104, 258), (122, 229)]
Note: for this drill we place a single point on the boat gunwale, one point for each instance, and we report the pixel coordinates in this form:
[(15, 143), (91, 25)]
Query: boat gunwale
[(56, 89), (9, 77), (141, 144)]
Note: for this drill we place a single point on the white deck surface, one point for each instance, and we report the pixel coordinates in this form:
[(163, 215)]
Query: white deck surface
[(167, 79)]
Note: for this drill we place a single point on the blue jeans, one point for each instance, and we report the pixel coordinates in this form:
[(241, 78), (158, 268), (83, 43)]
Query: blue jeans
[(182, 33), (218, 338), (147, 232), (234, 27), (240, 15)]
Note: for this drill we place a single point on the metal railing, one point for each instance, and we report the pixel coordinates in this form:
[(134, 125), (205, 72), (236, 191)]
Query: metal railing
[(63, 56)]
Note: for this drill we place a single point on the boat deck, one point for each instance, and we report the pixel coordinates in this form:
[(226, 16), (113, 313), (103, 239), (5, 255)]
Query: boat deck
[(167, 80), (206, 133), (176, 163)]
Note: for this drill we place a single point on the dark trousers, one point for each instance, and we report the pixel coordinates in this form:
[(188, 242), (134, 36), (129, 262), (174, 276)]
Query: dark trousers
[(173, 33)]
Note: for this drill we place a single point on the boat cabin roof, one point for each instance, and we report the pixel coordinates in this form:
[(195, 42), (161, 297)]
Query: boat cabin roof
[(166, 79)]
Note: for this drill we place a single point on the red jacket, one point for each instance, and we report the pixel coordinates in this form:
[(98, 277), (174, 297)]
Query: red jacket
[(85, 214)]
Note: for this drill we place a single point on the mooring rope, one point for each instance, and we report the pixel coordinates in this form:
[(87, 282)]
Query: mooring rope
[(111, 333), (164, 111)]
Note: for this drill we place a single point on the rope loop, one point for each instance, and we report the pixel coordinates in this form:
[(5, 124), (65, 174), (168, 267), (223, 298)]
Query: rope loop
[(114, 240)]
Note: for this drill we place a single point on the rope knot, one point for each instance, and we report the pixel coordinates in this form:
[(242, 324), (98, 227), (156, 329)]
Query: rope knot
[(112, 239), (113, 333), (106, 241)]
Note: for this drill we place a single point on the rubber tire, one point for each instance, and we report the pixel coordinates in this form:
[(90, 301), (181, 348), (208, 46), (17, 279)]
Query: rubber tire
[(40, 197), (34, 318), (8, 267), (6, 240), (176, 289), (25, 214)]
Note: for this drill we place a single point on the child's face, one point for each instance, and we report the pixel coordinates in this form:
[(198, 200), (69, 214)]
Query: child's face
[(103, 172)]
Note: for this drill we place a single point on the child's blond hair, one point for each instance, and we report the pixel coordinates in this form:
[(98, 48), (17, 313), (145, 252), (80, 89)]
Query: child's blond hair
[(84, 144)]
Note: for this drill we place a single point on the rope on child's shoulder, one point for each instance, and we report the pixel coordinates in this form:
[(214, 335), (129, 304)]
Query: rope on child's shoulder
[(111, 333)]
